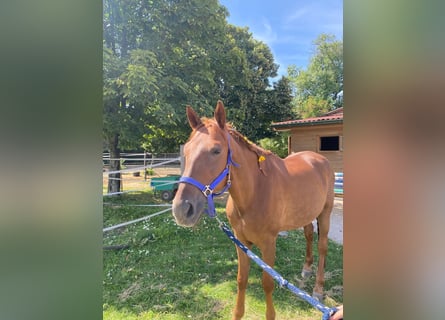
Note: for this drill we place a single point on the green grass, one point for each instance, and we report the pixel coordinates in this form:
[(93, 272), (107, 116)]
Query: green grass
[(171, 272)]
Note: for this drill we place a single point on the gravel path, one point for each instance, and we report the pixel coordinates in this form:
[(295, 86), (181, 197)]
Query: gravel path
[(336, 229)]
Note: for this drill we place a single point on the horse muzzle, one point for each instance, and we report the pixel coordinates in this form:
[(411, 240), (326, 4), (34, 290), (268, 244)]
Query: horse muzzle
[(187, 212)]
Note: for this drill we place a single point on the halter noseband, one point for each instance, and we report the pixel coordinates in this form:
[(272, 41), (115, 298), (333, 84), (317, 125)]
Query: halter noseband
[(209, 190)]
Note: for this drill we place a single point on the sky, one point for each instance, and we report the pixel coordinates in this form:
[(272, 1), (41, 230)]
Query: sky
[(288, 27)]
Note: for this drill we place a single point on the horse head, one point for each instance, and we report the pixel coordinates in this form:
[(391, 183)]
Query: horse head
[(206, 157)]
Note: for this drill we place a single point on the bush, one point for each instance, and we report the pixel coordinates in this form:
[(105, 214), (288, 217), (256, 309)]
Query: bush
[(277, 145)]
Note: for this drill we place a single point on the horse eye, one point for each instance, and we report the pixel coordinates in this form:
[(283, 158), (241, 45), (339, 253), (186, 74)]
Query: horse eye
[(216, 151)]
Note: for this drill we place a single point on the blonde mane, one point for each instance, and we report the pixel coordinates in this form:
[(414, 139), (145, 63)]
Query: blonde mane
[(246, 142)]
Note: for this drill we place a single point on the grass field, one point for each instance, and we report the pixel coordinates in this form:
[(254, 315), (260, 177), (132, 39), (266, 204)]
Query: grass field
[(170, 272)]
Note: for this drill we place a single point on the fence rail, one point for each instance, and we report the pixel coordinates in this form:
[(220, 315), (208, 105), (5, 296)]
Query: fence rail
[(338, 184), (133, 162), (139, 157), (133, 165)]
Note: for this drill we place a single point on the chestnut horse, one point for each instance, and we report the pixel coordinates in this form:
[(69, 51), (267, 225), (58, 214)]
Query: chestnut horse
[(267, 195)]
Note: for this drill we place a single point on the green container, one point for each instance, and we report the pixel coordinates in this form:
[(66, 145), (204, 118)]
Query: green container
[(166, 186)]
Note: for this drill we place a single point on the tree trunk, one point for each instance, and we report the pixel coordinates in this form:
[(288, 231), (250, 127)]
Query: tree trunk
[(114, 179)]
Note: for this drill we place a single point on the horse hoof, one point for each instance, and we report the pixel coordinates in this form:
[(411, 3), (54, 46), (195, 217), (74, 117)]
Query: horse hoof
[(318, 296), (306, 273)]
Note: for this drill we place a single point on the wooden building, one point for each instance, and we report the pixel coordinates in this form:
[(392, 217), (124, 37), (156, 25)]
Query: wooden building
[(322, 134)]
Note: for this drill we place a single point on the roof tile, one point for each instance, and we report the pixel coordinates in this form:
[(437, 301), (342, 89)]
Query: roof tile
[(332, 116)]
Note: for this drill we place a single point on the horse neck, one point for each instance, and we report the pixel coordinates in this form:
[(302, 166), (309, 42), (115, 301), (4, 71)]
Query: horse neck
[(245, 177)]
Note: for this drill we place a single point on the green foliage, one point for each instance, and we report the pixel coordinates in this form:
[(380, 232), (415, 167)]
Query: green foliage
[(251, 102), (277, 144), (161, 48), (313, 107), (272, 105), (171, 272), (317, 89), (160, 56)]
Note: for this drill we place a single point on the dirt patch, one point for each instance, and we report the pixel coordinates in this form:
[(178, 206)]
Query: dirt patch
[(131, 182)]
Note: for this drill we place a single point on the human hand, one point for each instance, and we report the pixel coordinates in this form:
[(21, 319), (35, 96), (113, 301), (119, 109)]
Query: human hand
[(338, 315)]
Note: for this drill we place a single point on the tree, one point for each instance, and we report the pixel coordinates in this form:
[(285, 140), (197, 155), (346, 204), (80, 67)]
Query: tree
[(155, 61), (187, 35), (279, 102), (160, 55), (251, 103), (319, 89)]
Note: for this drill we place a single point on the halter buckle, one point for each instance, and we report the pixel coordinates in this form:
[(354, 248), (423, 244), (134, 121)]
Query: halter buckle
[(207, 191)]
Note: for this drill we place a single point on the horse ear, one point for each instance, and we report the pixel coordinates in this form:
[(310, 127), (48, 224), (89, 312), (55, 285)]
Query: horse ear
[(220, 114), (193, 117)]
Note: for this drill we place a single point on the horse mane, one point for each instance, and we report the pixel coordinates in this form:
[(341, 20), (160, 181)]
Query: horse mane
[(246, 142), (243, 140)]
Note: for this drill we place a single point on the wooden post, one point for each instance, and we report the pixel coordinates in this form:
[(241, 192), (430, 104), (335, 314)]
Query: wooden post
[(115, 184), (289, 144), (145, 162)]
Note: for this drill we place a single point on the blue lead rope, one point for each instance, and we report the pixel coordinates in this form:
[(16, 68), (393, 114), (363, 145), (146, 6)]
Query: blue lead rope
[(327, 312)]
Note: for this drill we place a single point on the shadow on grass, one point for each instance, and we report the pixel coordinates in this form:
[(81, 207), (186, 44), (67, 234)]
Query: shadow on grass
[(170, 272)]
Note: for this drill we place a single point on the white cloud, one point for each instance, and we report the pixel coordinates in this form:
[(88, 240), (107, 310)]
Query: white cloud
[(266, 32), (299, 13), (318, 17)]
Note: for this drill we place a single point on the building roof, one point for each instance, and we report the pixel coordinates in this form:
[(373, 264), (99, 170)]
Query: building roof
[(332, 117)]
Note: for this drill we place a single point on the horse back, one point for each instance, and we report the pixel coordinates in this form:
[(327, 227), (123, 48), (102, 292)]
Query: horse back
[(310, 168)]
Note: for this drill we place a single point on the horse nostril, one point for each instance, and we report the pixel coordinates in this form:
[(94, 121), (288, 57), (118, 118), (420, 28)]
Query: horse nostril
[(190, 210)]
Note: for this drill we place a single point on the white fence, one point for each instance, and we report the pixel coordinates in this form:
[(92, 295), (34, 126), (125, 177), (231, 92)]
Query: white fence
[(132, 181), (133, 164), (338, 185)]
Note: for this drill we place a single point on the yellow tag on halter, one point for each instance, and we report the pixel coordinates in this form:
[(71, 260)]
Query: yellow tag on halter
[(261, 158)]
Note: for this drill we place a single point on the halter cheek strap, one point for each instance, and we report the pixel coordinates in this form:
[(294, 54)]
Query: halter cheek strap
[(209, 190)]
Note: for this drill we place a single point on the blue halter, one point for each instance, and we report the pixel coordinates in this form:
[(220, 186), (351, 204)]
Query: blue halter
[(209, 190)]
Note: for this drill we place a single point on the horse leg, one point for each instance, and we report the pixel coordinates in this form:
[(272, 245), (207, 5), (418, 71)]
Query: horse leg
[(309, 235), (268, 249), (323, 221), (243, 275)]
